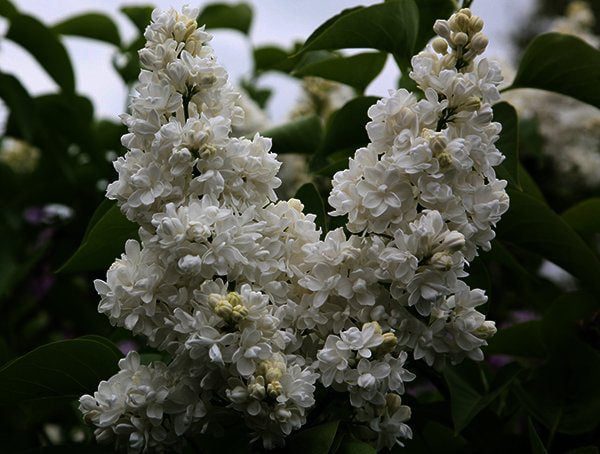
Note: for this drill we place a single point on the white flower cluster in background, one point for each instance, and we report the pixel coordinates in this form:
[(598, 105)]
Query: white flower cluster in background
[(254, 309), (21, 157), (570, 129)]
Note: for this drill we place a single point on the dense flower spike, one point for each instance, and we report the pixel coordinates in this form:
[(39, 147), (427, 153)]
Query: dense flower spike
[(237, 288)]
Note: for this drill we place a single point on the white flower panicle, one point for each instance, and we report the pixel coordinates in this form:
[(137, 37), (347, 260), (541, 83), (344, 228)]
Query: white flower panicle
[(254, 309)]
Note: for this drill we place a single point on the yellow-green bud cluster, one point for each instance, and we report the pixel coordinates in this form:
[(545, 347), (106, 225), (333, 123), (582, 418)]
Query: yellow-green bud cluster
[(270, 372), (230, 307)]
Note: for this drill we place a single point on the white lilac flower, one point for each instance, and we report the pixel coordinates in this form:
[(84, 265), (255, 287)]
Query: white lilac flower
[(239, 289)]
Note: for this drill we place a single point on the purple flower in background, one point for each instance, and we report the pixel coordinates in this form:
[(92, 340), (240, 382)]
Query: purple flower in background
[(127, 346)]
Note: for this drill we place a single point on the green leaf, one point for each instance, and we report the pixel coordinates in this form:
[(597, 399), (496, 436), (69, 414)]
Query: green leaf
[(391, 26), (140, 16), (309, 195), (532, 225), (345, 130), (357, 71), (226, 15), (584, 217), (43, 44), (7, 9), (19, 103), (316, 440), (537, 447), (60, 369), (508, 144), (563, 64), (103, 242), (522, 339), (352, 446), (273, 58), (529, 186), (91, 25), (429, 12), (302, 135)]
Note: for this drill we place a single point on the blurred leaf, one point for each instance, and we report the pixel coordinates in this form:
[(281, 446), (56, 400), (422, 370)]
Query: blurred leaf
[(258, 94), (537, 447), (226, 15), (391, 26), (43, 44), (585, 450), (532, 225), (316, 440), (508, 144), (584, 217), (522, 339), (273, 58), (91, 25), (20, 105), (309, 195), (103, 242), (357, 71), (104, 341), (66, 368), (529, 186), (127, 63), (345, 130), (563, 64), (140, 16), (7, 9), (353, 446), (301, 135)]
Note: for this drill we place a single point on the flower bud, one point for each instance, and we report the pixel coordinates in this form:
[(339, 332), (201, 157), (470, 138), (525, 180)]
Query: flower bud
[(440, 45), (475, 24), (442, 28), (393, 402), (486, 330), (453, 241), (274, 389), (441, 261), (460, 39), (479, 42)]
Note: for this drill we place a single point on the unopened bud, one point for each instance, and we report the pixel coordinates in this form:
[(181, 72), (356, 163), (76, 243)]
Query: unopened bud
[(466, 11), (376, 325), (479, 42), (296, 205), (389, 343), (441, 261), (459, 22), (239, 313), (486, 330), (393, 402), (234, 298), (472, 104), (445, 159), (223, 309), (475, 24), (438, 144), (453, 241), (442, 28), (440, 45), (274, 389), (256, 388), (460, 39)]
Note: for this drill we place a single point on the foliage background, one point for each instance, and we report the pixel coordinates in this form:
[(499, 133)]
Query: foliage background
[(538, 389)]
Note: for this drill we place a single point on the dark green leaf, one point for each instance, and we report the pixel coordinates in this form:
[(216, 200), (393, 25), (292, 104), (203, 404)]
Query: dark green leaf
[(465, 400), (537, 447), (302, 135), (585, 450), (508, 144), (43, 44), (563, 64), (139, 15), (532, 225), (273, 58), (429, 12), (7, 9), (529, 186), (584, 217), (316, 440), (353, 446), (67, 368), (103, 243), (309, 195), (19, 103), (391, 26), (523, 339), (345, 130), (358, 71), (91, 25), (226, 15)]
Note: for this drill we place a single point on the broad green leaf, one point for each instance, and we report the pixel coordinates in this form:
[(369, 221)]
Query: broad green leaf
[(258, 94), (139, 15), (391, 26), (532, 225), (584, 217), (273, 58), (523, 339), (353, 446), (563, 64), (302, 135), (19, 103), (226, 15), (345, 130), (43, 44), (508, 144), (103, 243), (104, 341), (316, 440), (91, 25), (529, 186), (66, 368), (537, 447), (358, 71), (429, 12), (127, 63), (309, 195)]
